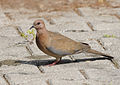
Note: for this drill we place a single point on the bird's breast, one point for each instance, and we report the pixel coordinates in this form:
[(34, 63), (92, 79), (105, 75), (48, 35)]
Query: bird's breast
[(42, 45)]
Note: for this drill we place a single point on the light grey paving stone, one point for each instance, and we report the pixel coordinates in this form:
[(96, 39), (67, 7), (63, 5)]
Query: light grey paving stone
[(106, 11), (2, 81), (27, 78), (3, 19), (15, 52), (60, 73), (109, 76), (8, 31), (23, 69), (69, 23), (91, 12), (82, 36), (106, 26), (101, 22), (103, 18), (94, 64), (21, 79), (10, 41), (86, 82), (88, 11), (68, 82), (95, 82), (3, 57), (11, 46)]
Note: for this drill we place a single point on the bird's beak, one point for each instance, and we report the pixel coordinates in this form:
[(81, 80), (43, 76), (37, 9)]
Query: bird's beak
[(31, 27)]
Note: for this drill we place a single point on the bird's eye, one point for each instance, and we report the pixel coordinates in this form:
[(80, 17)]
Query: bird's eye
[(38, 23)]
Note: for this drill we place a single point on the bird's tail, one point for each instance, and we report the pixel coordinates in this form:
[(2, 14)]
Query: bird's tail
[(99, 53), (105, 55)]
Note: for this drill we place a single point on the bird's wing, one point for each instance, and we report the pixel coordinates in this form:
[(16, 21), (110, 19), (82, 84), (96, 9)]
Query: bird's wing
[(62, 45)]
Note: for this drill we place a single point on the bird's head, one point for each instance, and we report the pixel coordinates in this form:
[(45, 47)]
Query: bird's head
[(38, 25)]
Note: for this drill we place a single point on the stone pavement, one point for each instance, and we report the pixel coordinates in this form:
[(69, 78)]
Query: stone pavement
[(23, 64)]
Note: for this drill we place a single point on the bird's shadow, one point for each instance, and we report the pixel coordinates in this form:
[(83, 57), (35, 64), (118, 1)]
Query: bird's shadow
[(40, 62), (63, 61)]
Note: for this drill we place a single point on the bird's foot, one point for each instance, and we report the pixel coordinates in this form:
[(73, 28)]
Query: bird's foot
[(54, 63)]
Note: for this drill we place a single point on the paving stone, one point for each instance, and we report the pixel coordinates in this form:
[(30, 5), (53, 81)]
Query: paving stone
[(22, 79), (8, 31), (103, 18), (15, 52), (55, 72), (23, 69), (100, 22), (85, 63), (10, 41), (11, 46), (91, 12), (107, 76), (3, 18), (69, 23), (90, 36), (100, 72), (88, 11), (106, 26), (67, 82)]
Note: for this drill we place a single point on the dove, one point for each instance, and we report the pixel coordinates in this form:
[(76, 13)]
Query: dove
[(57, 45)]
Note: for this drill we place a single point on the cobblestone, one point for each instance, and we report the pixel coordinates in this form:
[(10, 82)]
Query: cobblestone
[(83, 24)]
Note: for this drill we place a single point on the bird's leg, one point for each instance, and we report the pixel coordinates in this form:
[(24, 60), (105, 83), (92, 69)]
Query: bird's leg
[(55, 62)]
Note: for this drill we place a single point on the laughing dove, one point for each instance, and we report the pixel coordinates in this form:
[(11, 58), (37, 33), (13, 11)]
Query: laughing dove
[(57, 45)]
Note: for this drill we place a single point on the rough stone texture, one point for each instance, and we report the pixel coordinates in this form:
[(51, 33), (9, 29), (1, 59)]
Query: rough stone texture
[(18, 67), (25, 79), (2, 81)]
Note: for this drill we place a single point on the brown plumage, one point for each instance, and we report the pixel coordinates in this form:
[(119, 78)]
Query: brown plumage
[(57, 45)]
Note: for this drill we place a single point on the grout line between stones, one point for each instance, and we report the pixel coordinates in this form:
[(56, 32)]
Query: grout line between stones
[(7, 14), (82, 71), (29, 49), (41, 69), (72, 58), (116, 15), (90, 25), (50, 20), (99, 42), (115, 63), (79, 13), (85, 84), (6, 79), (49, 82)]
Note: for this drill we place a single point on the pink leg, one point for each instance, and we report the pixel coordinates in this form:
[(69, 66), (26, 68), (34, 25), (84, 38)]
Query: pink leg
[(55, 62)]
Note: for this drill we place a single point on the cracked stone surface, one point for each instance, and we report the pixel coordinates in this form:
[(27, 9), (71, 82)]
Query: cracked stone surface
[(90, 22)]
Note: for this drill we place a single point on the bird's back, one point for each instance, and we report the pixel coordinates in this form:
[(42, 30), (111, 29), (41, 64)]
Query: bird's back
[(62, 43)]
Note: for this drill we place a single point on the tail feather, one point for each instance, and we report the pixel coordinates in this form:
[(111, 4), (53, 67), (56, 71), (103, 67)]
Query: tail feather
[(99, 53), (108, 56)]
